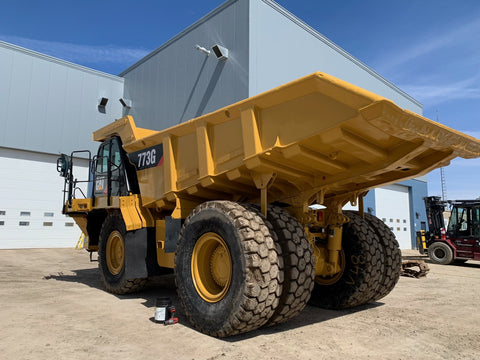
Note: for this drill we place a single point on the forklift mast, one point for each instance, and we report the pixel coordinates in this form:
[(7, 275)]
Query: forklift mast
[(435, 208)]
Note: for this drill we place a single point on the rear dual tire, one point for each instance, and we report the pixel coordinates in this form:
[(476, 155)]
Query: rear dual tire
[(362, 269), (270, 268), (236, 292)]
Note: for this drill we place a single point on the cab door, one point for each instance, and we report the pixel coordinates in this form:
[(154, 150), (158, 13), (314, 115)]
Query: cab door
[(462, 230), (476, 233), (110, 177)]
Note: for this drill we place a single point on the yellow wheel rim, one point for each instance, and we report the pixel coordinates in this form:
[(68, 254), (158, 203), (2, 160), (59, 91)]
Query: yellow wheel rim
[(211, 267), (329, 280), (115, 252)]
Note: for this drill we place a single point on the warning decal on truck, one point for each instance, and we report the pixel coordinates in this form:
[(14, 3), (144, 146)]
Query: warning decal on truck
[(147, 158)]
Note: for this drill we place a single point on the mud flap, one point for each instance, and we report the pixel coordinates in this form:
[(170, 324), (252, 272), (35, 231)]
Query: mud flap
[(140, 254)]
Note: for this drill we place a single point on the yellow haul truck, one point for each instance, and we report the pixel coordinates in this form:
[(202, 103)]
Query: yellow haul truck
[(226, 201)]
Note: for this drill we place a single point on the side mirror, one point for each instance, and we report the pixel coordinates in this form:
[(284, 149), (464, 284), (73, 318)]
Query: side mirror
[(63, 165)]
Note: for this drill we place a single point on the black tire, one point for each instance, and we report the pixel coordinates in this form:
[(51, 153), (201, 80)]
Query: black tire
[(391, 255), (298, 264), (254, 284), (362, 270), (440, 253), (111, 265)]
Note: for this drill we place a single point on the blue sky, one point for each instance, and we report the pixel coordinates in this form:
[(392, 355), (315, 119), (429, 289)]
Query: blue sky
[(429, 48)]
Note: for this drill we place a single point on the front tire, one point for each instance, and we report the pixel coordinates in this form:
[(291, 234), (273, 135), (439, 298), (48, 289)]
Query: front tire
[(227, 271), (440, 253), (111, 257)]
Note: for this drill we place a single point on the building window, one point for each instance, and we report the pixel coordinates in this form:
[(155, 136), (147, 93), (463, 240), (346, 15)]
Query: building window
[(398, 229), (384, 220), (391, 228), (24, 213), (69, 224), (391, 220), (24, 223), (398, 220), (404, 229), (48, 214), (404, 221), (2, 212), (2, 222), (47, 223)]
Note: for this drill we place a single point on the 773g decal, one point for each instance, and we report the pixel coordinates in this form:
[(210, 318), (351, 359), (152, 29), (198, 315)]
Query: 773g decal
[(147, 158)]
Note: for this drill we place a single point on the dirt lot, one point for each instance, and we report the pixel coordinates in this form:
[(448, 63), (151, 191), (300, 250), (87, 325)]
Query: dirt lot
[(52, 306)]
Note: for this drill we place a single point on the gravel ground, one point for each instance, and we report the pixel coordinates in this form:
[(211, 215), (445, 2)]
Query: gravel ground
[(52, 306)]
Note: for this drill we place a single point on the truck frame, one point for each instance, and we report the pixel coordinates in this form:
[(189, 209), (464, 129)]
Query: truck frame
[(225, 201), (457, 242)]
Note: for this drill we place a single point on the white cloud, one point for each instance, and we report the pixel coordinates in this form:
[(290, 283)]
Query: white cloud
[(438, 93), (90, 54), (457, 34)]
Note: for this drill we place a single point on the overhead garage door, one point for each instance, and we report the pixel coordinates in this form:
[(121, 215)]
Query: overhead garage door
[(392, 205), (31, 202)]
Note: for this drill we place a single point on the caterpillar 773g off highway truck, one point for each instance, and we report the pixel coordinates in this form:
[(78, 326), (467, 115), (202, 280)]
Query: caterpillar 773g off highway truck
[(225, 201)]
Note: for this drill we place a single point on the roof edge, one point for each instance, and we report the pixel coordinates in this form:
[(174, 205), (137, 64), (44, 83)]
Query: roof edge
[(190, 28), (59, 61)]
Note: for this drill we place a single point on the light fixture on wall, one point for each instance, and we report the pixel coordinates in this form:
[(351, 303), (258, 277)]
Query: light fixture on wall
[(102, 105), (202, 49), (103, 102), (220, 52), (127, 103)]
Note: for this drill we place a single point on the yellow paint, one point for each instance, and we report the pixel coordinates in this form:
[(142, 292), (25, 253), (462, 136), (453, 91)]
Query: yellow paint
[(134, 214), (316, 139), (211, 267), (164, 259)]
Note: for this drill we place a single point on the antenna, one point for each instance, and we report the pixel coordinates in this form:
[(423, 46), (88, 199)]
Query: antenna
[(442, 177)]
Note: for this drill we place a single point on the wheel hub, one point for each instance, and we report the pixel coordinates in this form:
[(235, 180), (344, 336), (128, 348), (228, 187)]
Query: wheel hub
[(115, 253), (211, 267)]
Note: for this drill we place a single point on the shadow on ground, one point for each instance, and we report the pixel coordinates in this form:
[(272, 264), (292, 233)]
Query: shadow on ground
[(164, 286)]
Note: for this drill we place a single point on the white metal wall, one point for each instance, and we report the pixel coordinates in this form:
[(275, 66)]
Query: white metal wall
[(50, 105), (31, 202)]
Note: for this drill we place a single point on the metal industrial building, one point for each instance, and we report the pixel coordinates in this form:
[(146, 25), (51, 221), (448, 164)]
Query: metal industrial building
[(236, 51)]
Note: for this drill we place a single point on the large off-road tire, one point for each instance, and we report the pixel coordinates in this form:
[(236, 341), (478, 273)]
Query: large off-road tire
[(298, 264), (362, 263), (440, 253), (227, 269), (391, 255), (111, 257)]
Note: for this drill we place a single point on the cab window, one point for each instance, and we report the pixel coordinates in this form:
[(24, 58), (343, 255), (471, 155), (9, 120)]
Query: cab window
[(110, 164)]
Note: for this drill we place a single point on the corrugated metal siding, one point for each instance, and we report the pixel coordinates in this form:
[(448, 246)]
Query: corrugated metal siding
[(177, 82), (49, 105), (283, 48)]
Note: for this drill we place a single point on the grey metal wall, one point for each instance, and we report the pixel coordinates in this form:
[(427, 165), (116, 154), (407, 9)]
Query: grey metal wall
[(177, 82), (51, 106), (283, 48)]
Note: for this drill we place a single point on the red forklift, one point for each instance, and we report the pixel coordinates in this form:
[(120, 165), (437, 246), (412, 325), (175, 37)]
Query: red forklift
[(460, 240)]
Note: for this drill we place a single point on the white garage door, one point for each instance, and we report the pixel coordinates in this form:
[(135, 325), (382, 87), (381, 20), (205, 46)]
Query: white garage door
[(31, 202), (392, 205)]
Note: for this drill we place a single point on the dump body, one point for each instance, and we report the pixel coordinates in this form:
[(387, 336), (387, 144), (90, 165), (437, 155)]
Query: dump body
[(312, 139)]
